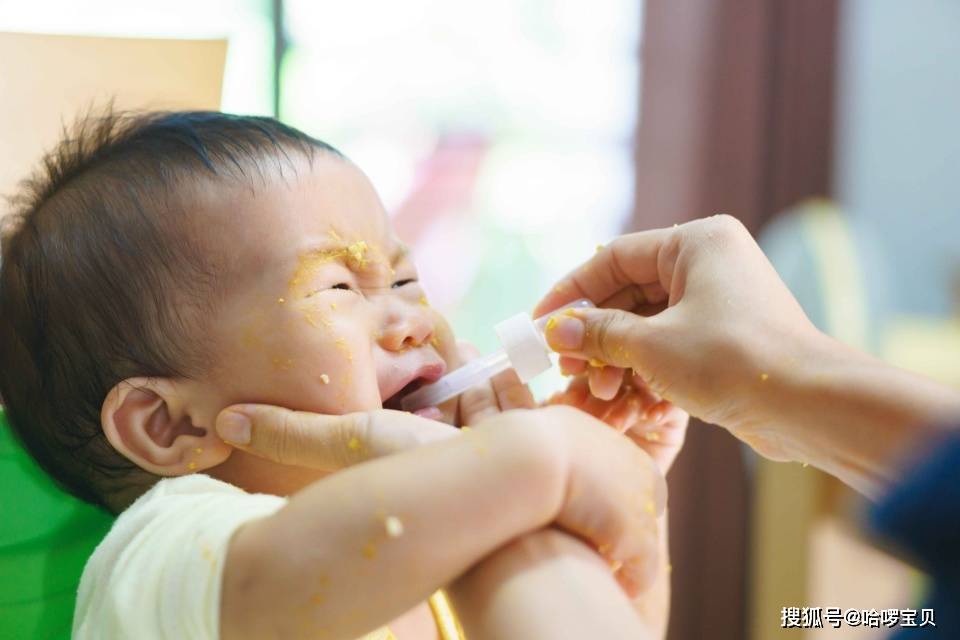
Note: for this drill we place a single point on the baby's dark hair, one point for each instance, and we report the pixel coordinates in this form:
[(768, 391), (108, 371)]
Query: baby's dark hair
[(106, 275)]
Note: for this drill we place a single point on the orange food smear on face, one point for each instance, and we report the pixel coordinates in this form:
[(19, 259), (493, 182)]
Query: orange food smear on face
[(353, 255), (358, 253), (342, 345), (316, 319)]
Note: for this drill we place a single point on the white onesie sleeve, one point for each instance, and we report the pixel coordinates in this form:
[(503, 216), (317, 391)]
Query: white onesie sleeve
[(157, 574)]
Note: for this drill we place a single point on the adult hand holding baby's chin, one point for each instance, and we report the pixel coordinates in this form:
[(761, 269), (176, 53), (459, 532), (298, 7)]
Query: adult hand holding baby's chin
[(331, 442), (326, 442)]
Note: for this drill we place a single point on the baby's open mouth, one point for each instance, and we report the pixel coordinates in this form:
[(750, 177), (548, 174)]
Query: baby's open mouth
[(395, 401), (394, 389)]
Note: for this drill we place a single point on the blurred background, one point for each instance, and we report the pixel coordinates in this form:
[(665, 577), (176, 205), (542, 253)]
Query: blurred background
[(508, 138)]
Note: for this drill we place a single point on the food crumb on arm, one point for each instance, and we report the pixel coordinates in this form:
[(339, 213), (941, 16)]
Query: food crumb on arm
[(394, 526)]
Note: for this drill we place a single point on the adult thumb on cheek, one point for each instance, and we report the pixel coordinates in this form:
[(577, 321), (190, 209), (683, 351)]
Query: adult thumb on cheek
[(293, 437), (321, 441), (610, 336)]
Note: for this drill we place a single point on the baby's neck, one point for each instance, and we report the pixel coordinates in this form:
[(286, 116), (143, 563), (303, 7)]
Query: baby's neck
[(257, 475)]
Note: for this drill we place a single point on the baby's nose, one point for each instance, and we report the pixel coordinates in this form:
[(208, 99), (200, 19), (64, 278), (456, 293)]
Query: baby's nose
[(405, 329)]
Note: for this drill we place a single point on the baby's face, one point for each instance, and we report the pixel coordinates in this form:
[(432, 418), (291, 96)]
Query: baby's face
[(326, 313)]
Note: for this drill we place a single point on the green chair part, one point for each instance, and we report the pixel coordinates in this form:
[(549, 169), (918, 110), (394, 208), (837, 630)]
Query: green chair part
[(46, 536)]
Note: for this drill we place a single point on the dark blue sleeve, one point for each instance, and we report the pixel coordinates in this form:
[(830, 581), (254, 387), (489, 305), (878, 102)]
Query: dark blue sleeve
[(920, 516)]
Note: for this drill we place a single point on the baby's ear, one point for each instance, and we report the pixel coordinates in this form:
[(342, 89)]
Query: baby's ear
[(147, 421)]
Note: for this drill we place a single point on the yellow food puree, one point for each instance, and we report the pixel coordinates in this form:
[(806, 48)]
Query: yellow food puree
[(447, 625)]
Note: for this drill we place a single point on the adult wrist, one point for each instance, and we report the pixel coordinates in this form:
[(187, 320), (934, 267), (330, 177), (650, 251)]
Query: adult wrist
[(853, 415), (785, 385)]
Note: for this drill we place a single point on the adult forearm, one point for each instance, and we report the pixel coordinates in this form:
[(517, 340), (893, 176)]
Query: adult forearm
[(851, 414)]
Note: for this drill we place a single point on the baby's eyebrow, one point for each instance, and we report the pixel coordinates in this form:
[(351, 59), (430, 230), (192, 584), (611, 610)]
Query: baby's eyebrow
[(324, 247), (400, 252), (354, 255)]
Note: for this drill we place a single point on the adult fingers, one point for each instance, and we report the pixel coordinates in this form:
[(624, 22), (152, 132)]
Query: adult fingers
[(327, 442), (479, 401), (609, 336), (605, 381), (511, 393), (629, 260), (572, 366)]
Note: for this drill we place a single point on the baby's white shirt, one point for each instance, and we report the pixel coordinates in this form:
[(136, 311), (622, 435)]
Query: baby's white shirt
[(157, 574)]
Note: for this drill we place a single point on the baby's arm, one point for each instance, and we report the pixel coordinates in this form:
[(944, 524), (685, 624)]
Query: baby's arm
[(354, 550), (653, 605), (546, 584), (659, 428)]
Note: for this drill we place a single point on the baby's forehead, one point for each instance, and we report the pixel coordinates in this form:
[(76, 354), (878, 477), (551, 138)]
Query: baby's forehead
[(326, 206)]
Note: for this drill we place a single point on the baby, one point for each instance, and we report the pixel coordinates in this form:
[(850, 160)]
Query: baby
[(162, 267)]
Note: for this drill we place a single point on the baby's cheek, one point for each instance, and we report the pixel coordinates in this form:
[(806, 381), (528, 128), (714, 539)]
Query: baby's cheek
[(352, 385), (445, 343), (303, 361), (327, 385), (340, 377)]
